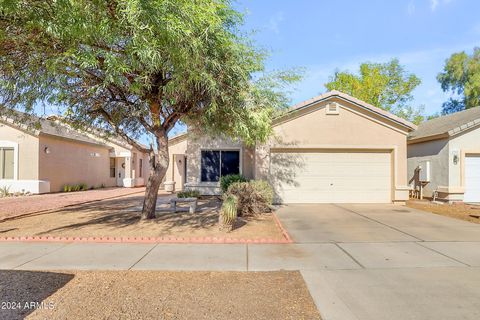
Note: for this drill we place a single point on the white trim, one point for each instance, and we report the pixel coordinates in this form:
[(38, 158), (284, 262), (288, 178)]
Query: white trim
[(14, 145)]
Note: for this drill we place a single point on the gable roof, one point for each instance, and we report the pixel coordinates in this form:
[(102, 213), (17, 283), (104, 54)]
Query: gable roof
[(343, 96), (52, 126), (447, 126)]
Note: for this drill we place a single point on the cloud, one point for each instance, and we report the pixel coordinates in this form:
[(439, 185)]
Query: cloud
[(434, 4), (274, 22), (411, 8)]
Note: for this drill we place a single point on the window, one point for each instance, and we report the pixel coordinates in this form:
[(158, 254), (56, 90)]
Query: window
[(140, 168), (217, 163), (7, 163), (112, 167)]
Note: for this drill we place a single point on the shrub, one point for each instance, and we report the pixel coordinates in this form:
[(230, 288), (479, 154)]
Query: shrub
[(188, 194), (4, 191), (254, 197), (226, 181), (75, 187), (264, 189), (228, 213)]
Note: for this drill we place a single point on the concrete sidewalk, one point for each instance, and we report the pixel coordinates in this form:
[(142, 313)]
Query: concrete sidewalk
[(407, 280)]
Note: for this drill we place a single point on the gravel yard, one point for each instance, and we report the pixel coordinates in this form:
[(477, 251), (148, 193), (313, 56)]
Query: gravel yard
[(15, 206), (461, 211), (120, 217), (158, 295)]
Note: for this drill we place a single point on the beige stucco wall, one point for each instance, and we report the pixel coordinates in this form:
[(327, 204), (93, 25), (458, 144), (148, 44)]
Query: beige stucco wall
[(71, 162), (436, 152), (176, 165), (196, 144), (27, 151), (352, 128)]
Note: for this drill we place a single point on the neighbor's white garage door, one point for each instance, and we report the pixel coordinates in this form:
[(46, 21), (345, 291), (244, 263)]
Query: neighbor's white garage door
[(331, 177), (472, 179)]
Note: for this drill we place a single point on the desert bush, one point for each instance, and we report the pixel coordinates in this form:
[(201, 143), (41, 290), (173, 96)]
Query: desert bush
[(264, 189), (228, 213), (226, 181), (4, 191), (188, 194), (75, 187), (254, 197)]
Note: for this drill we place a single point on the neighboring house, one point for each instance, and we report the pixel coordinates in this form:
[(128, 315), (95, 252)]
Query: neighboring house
[(444, 157), (45, 159), (329, 149)]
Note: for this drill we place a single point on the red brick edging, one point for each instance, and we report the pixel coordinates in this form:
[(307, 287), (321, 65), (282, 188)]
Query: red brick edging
[(205, 240)]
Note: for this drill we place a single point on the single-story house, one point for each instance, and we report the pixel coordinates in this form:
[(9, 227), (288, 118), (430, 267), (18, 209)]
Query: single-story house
[(45, 159), (444, 157), (330, 149)]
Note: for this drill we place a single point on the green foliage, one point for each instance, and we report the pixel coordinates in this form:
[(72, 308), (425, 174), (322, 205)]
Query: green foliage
[(4, 191), (228, 213), (384, 85), (254, 197), (264, 190), (75, 187), (226, 181), (138, 67), (461, 77), (188, 194)]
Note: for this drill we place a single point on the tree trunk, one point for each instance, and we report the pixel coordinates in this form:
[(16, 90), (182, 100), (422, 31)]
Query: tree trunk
[(158, 167)]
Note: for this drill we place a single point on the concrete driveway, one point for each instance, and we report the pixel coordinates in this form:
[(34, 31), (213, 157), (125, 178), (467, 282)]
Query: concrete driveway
[(410, 264)]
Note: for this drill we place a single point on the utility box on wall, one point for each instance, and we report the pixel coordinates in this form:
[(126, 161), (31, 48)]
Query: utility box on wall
[(424, 168)]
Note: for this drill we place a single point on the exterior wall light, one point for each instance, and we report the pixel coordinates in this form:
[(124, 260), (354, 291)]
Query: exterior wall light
[(455, 157), (47, 150)]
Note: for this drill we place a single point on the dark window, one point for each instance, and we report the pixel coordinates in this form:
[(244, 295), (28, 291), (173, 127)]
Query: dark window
[(112, 167), (210, 166), (215, 164), (230, 162), (140, 169)]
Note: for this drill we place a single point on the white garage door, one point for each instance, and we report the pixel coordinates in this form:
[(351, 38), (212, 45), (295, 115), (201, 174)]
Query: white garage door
[(331, 177), (472, 179)]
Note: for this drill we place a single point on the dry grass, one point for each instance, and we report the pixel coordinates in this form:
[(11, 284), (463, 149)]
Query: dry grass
[(461, 211), (158, 295), (120, 217)]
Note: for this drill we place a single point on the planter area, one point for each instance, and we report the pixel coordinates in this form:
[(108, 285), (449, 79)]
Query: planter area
[(118, 220)]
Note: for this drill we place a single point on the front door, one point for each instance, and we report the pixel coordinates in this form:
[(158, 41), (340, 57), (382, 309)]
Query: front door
[(120, 165)]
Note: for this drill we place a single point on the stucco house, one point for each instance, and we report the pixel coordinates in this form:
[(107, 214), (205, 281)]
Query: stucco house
[(444, 157), (330, 149), (44, 159)]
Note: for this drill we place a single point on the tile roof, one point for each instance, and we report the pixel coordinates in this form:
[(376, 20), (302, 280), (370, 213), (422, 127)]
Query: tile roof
[(448, 125)]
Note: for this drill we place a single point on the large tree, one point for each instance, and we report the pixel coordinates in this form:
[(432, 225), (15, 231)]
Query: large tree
[(461, 77), (384, 85), (134, 68)]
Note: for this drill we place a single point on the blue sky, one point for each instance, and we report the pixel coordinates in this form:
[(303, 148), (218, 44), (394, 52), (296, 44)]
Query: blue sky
[(322, 36)]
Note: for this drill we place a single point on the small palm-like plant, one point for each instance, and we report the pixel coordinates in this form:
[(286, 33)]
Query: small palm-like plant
[(4, 191), (228, 213)]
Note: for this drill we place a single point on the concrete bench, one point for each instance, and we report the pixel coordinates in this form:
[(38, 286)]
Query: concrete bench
[(191, 201)]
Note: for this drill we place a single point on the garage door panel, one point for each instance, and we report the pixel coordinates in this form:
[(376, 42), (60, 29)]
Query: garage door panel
[(329, 177), (472, 179)]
